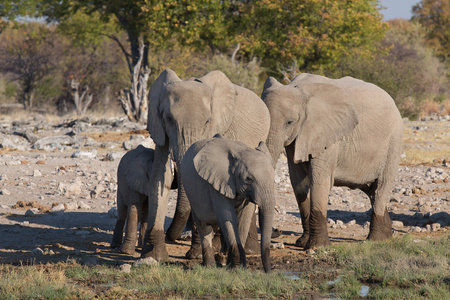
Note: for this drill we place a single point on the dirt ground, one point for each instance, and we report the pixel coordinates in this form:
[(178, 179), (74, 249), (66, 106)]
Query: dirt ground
[(35, 181)]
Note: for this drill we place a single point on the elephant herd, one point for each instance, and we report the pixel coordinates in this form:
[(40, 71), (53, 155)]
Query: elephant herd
[(225, 141)]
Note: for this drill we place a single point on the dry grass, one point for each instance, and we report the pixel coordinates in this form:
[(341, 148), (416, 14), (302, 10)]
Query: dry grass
[(426, 142)]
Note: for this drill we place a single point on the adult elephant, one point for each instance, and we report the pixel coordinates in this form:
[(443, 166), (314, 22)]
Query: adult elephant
[(182, 112), (343, 132)]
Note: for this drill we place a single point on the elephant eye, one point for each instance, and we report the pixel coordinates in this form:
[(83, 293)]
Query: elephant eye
[(248, 180), (289, 123)]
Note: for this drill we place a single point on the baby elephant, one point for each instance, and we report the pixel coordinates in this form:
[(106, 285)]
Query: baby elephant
[(224, 180), (132, 198)]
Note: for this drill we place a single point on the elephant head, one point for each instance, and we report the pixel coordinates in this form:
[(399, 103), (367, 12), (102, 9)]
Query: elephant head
[(312, 111), (233, 169), (182, 112)]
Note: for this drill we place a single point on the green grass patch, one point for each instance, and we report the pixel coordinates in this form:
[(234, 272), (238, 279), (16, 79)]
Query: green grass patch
[(401, 268)]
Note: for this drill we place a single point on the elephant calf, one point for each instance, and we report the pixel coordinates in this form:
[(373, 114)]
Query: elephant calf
[(132, 198), (223, 180)]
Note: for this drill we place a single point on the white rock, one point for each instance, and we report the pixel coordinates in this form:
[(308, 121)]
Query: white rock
[(150, 261), (125, 268), (83, 205), (37, 173), (85, 154), (277, 246), (58, 209), (397, 223), (37, 251), (5, 192), (72, 205), (435, 226), (352, 222)]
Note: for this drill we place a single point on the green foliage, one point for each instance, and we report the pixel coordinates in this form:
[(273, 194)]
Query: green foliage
[(315, 33), (434, 15)]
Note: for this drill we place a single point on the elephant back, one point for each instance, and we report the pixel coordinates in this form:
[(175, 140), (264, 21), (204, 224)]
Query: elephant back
[(135, 167), (251, 121)]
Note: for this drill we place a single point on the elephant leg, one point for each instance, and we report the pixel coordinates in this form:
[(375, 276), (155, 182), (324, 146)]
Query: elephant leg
[(195, 251), (251, 243), (228, 223), (120, 223), (182, 212), (129, 243), (246, 217), (380, 222), (206, 234), (321, 181), (143, 219), (298, 174), (159, 187)]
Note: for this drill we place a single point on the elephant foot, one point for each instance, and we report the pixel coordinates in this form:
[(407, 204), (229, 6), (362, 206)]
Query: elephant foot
[(194, 252), (115, 244), (127, 248), (380, 227), (318, 231), (208, 257), (155, 246), (252, 245), (302, 241)]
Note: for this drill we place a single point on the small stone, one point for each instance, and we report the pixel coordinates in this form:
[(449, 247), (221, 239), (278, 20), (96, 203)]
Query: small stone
[(71, 205), (83, 205), (435, 226), (40, 162), (5, 192), (428, 227), (125, 268), (31, 212), (3, 177), (310, 252), (85, 154), (331, 221), (277, 246), (339, 222), (58, 209), (37, 251), (113, 212), (352, 222), (26, 223), (366, 225), (397, 223), (149, 261), (37, 173)]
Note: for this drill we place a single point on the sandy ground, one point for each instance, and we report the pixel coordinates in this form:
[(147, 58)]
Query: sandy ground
[(35, 181)]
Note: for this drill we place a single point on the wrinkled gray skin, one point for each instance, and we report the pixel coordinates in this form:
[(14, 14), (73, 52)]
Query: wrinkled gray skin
[(342, 132), (182, 112), (132, 198), (223, 180)]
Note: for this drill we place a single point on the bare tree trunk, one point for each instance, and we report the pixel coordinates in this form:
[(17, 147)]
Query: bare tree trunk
[(82, 101), (134, 100)]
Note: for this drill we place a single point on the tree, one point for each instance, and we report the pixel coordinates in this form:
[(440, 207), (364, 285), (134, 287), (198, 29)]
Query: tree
[(145, 22), (314, 33), (435, 16), (10, 10), (29, 55)]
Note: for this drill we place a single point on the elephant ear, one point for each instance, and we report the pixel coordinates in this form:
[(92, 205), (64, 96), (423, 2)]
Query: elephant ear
[(329, 117), (138, 165), (263, 148), (154, 120), (214, 163), (223, 99), (270, 82)]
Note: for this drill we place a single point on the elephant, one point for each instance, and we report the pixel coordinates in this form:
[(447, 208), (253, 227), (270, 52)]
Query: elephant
[(342, 132), (182, 112), (132, 198), (223, 180)]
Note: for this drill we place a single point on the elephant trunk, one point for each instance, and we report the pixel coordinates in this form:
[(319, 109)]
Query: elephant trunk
[(182, 212), (266, 214), (275, 146), (186, 137)]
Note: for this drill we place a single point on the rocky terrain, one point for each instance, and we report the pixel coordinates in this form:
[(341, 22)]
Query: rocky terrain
[(58, 191)]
